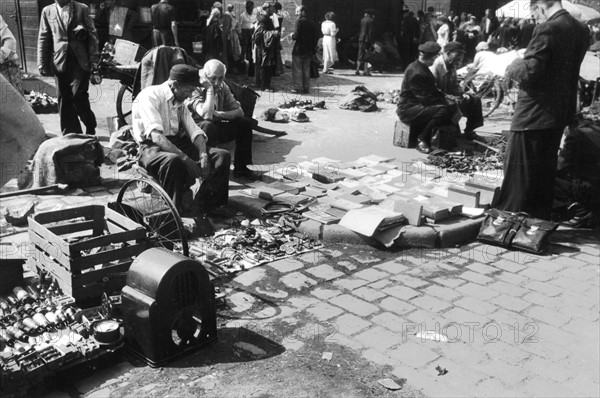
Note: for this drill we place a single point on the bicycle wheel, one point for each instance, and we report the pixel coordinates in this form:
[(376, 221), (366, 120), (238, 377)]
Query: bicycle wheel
[(486, 87), (145, 202), (124, 104)]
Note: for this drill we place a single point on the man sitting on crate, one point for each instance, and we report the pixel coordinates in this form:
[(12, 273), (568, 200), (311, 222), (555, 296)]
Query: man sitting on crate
[(222, 118), (174, 149), (444, 71)]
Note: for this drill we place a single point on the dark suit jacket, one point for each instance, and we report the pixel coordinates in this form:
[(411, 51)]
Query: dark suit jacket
[(306, 35), (366, 30), (55, 40), (548, 74), (419, 90), (494, 25)]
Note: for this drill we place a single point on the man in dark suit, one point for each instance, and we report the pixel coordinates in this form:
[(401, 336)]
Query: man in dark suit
[(365, 41), (489, 24), (68, 49), (306, 36), (422, 104), (548, 75)]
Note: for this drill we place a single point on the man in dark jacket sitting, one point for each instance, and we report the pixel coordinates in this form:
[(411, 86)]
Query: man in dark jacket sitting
[(422, 103)]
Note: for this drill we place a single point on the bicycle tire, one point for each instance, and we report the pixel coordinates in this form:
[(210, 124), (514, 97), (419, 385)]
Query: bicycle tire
[(486, 87), (124, 113)]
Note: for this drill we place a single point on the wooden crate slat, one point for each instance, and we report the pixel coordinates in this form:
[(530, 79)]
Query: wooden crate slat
[(66, 214), (121, 220), (104, 240), (79, 264), (46, 237), (97, 275), (73, 227)]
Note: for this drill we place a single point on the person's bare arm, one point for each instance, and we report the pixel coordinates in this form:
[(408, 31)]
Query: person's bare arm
[(167, 146)]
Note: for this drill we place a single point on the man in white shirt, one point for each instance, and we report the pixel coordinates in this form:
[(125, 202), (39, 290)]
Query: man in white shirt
[(173, 148), (247, 22)]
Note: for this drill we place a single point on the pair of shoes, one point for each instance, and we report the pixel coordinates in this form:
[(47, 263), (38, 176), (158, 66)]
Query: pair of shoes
[(586, 221), (246, 173), (423, 147), (367, 74), (357, 73)]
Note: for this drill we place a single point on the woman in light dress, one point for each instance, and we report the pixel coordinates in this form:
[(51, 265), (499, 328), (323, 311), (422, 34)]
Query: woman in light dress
[(443, 32), (329, 31)]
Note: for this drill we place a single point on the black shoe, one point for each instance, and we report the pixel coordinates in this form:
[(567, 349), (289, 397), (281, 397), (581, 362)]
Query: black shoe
[(247, 173), (470, 135), (423, 147)]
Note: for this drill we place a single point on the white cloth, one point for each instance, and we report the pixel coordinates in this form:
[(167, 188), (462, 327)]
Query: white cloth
[(64, 13), (443, 35), (155, 109), (329, 30), (8, 52)]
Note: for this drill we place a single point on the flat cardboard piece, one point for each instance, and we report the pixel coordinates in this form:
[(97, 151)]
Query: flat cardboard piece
[(368, 220)]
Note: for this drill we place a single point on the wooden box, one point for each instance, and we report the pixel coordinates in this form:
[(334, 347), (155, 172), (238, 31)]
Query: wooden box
[(402, 135), (88, 250)]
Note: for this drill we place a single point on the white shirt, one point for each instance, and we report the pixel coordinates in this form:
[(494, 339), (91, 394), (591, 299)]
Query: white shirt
[(247, 21), (64, 13), (155, 108)]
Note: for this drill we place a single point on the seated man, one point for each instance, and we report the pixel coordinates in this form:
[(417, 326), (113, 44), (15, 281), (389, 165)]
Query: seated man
[(173, 148), (421, 102), (222, 117), (444, 71)]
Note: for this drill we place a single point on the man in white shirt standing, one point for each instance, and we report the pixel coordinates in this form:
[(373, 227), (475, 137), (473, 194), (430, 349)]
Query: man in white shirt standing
[(247, 21), (173, 148)]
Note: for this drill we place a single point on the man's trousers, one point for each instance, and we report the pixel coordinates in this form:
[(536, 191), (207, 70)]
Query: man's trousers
[(73, 100), (301, 72), (240, 130)]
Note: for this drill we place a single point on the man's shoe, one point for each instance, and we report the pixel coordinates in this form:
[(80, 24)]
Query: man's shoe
[(367, 74), (247, 173), (470, 135), (423, 147), (357, 73)]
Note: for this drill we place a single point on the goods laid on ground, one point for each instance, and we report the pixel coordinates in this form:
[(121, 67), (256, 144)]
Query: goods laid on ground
[(42, 102)]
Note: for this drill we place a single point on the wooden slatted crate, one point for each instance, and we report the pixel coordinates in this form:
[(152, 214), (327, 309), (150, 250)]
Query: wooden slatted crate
[(77, 247)]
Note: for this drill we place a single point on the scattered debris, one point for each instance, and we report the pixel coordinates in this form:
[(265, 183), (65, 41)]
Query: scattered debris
[(441, 371), (42, 102), (491, 159), (432, 335), (391, 384), (17, 216), (327, 356)]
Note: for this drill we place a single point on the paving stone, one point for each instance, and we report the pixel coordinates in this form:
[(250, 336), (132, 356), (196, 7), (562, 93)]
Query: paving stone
[(548, 316), (544, 288), (298, 281), (508, 289), (425, 381), (494, 388), (378, 358), (571, 263), (378, 338), (509, 374), (354, 305), (450, 282), (365, 259), (425, 320), (475, 305), (371, 274), (302, 302), (592, 250), (414, 353), (536, 274), (310, 258), (508, 350), (366, 293), (569, 284), (441, 292), (430, 303), (579, 273), (251, 276), (286, 265), (325, 271), (324, 311), (546, 368), (510, 320), (553, 303), (511, 303), (410, 281), (477, 291), (550, 265), (397, 306), (348, 265), (350, 283), (475, 277), (349, 324), (325, 294), (401, 292), (241, 301), (482, 269), (514, 279), (379, 285), (389, 321), (345, 341), (543, 387), (508, 265), (463, 317), (392, 267)]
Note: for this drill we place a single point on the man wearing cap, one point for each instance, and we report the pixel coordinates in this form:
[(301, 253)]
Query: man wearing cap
[(548, 75), (266, 45), (365, 41), (306, 38), (221, 116), (173, 148), (444, 71), (422, 104)]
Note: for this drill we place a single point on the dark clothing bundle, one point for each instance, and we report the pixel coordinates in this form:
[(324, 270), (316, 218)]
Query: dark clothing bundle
[(548, 76), (360, 99)]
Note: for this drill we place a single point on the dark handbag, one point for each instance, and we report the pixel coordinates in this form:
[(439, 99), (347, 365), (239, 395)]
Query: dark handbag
[(515, 231)]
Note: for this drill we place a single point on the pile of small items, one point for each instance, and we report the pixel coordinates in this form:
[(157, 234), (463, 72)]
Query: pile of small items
[(469, 163), (42, 102), (41, 332), (248, 244), (306, 105)]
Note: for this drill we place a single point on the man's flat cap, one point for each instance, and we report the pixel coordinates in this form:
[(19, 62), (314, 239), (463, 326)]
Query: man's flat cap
[(185, 74), (454, 46), (430, 47)]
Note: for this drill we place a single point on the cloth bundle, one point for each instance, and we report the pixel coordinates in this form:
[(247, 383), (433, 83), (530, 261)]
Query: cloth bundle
[(360, 99)]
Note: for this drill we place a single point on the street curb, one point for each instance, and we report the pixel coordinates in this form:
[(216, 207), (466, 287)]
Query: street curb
[(449, 234)]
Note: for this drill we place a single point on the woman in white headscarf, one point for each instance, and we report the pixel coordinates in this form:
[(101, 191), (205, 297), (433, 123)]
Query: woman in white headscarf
[(9, 66), (329, 30)]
